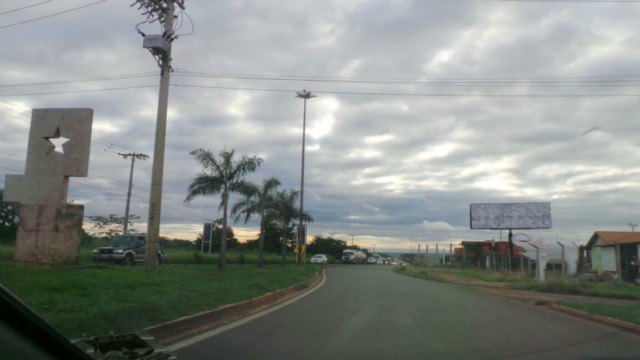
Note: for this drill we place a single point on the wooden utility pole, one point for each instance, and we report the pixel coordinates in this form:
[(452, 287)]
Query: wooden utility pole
[(133, 156)]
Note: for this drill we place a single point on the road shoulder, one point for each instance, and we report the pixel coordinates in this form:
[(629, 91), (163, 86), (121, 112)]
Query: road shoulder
[(550, 300), (185, 327)]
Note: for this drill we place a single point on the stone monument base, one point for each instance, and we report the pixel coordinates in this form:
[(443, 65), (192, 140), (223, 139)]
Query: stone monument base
[(49, 233)]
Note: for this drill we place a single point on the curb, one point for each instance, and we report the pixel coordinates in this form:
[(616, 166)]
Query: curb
[(623, 325), (176, 330)]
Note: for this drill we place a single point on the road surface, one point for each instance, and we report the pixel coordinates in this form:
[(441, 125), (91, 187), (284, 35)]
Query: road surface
[(369, 312)]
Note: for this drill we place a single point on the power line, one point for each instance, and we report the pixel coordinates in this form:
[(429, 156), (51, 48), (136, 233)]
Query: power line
[(52, 15), (417, 94), (613, 80), (580, 80), (572, 1), (25, 7), (77, 91), (75, 81)]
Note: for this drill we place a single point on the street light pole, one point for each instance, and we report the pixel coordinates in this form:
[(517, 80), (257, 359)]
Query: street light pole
[(304, 94)]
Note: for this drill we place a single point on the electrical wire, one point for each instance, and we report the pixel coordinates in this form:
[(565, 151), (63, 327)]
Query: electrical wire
[(415, 94), (52, 15), (76, 81), (572, 1), (635, 79), (78, 91), (25, 7)]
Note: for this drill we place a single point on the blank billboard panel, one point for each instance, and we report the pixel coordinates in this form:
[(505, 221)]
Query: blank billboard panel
[(510, 216)]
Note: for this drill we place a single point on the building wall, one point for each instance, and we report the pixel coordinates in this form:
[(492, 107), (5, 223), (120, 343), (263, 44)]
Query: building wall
[(603, 258)]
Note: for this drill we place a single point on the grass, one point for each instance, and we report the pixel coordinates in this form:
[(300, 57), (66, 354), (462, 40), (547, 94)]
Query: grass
[(559, 286), (628, 313), (573, 287), (95, 299)]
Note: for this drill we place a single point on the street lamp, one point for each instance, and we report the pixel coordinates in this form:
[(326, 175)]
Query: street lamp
[(632, 226), (304, 94)]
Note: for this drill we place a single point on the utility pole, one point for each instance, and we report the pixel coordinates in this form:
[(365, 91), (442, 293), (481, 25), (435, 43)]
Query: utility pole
[(160, 47), (133, 156)]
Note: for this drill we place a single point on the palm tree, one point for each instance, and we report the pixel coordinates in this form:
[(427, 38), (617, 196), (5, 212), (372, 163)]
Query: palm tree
[(285, 212), (257, 200), (221, 176)]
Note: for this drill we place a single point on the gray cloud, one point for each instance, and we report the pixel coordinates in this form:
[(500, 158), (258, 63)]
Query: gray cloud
[(384, 168)]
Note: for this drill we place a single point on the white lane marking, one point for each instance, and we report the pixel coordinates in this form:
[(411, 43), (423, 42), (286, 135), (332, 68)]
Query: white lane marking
[(235, 324)]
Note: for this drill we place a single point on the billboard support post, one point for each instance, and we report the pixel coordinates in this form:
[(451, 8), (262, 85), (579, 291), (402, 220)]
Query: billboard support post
[(509, 216)]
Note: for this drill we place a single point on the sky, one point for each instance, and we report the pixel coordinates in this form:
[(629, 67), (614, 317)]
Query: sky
[(423, 108)]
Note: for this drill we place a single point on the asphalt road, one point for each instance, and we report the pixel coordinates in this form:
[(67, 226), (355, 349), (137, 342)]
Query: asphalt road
[(369, 312)]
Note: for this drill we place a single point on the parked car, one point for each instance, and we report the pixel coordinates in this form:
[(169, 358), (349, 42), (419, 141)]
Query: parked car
[(126, 249), (372, 260), (319, 259)]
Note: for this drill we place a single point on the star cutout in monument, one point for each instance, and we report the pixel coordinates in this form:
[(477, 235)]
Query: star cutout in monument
[(55, 142)]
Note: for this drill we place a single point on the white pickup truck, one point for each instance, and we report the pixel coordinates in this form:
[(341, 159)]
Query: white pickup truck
[(350, 256)]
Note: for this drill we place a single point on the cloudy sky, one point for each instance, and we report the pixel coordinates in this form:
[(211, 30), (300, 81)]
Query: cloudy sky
[(423, 108)]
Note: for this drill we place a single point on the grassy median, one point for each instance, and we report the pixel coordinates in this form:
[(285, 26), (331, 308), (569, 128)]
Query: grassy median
[(93, 299)]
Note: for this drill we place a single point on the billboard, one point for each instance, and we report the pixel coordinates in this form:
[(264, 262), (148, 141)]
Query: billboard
[(510, 216)]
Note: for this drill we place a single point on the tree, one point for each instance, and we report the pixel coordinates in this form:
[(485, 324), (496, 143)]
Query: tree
[(221, 176), (285, 213), (111, 225), (8, 220), (328, 246), (216, 235), (257, 200)]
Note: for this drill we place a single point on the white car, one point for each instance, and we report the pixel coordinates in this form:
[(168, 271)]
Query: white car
[(372, 260), (319, 259)]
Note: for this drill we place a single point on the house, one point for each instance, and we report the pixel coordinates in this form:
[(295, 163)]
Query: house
[(614, 251), (488, 253)]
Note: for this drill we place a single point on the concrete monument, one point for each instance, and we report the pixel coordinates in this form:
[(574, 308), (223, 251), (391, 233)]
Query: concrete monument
[(59, 144)]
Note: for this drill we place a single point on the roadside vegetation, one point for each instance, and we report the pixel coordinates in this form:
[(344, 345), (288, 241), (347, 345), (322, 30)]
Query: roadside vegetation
[(519, 281), (88, 299), (628, 313)]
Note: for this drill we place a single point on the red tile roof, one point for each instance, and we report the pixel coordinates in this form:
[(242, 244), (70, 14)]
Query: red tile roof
[(610, 238)]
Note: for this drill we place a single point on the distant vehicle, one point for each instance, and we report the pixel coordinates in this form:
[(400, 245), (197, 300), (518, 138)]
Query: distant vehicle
[(350, 256), (319, 259), (126, 249), (372, 260)]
